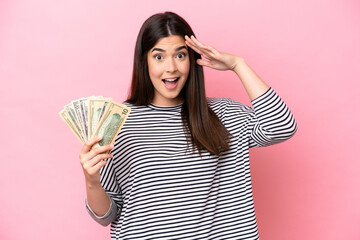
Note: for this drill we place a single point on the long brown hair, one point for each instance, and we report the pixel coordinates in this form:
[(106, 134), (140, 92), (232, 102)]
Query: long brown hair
[(202, 126)]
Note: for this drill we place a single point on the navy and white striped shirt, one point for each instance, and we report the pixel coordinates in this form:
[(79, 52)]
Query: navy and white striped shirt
[(161, 189)]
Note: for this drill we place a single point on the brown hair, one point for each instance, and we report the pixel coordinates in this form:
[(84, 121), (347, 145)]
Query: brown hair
[(202, 126)]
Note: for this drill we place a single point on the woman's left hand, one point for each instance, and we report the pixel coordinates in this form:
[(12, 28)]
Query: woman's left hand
[(211, 57)]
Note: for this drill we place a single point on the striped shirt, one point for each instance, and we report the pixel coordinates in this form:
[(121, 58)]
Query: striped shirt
[(160, 188)]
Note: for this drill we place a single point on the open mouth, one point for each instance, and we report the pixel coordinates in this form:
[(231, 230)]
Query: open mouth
[(170, 80), (170, 83)]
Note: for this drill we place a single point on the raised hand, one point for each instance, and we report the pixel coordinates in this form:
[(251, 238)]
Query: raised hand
[(211, 57)]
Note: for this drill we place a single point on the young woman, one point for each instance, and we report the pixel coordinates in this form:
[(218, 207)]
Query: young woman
[(179, 169)]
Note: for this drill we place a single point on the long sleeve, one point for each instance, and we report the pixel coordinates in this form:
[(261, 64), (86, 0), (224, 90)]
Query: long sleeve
[(108, 217), (271, 121)]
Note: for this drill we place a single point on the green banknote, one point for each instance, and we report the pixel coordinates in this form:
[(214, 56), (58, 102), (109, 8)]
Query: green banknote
[(111, 123), (95, 116)]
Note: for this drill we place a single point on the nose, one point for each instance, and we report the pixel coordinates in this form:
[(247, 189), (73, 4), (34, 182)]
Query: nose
[(171, 65)]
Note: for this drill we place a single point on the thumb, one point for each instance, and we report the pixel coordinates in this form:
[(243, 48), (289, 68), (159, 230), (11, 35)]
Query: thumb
[(203, 62)]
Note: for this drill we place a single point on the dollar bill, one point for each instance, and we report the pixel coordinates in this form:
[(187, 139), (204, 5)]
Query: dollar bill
[(72, 114), (65, 116), (111, 123), (84, 116), (95, 116), (79, 117), (96, 109)]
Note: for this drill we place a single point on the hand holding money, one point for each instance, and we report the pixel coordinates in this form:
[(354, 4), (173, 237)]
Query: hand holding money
[(96, 121), (95, 117), (93, 159)]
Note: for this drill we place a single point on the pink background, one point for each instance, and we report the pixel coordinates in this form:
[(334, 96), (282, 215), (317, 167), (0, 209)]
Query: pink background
[(52, 52)]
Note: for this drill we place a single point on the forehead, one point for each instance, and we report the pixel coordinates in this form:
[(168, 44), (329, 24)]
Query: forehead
[(170, 43)]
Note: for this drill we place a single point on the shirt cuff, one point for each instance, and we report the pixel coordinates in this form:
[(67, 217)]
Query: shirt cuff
[(109, 217), (263, 96), (93, 213)]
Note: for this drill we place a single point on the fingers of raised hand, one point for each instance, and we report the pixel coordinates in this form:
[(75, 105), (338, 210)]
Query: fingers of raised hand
[(194, 45), (201, 48), (197, 42), (203, 62)]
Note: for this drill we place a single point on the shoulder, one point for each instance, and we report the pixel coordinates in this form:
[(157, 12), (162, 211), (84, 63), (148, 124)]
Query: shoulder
[(136, 108), (138, 112), (128, 104), (223, 101), (223, 106)]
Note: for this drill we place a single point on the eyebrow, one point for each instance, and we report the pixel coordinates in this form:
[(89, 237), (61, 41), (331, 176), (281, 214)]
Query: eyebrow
[(162, 50)]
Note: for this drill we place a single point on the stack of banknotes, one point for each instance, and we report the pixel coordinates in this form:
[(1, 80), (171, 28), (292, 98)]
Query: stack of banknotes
[(95, 116)]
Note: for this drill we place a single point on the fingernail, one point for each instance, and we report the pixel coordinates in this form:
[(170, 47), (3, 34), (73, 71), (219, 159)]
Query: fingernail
[(111, 146)]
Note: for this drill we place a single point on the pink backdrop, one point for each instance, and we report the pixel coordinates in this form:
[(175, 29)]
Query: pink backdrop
[(52, 52)]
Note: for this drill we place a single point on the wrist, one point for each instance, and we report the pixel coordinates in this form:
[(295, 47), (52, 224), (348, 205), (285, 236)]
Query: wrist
[(239, 62), (90, 185)]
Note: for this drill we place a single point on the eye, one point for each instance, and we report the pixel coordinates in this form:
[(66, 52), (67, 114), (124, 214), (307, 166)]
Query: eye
[(181, 55), (158, 57)]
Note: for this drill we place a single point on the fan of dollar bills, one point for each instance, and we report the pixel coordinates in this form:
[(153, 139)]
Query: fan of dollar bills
[(95, 116)]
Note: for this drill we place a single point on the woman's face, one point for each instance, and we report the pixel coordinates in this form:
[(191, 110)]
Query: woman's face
[(169, 66)]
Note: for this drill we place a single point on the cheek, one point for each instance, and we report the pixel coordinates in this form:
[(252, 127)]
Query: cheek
[(186, 68), (155, 70)]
